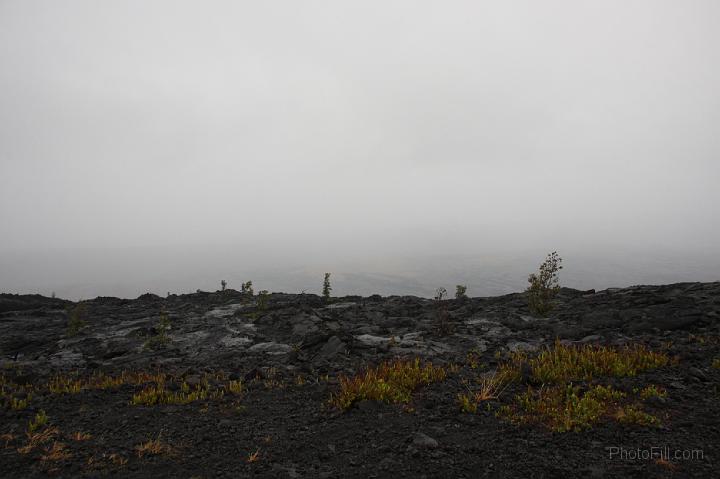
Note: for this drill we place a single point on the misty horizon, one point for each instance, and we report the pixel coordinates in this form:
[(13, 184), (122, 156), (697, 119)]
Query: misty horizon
[(402, 146)]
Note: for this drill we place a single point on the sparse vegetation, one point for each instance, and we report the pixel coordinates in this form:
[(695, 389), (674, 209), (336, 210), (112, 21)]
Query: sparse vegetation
[(37, 439), (563, 363), (391, 382), (262, 300), (460, 292), (14, 396), (564, 408), (223, 285), (326, 287), (153, 447), (157, 394), (247, 289), (490, 387), (633, 414), (161, 337), (60, 384), (651, 391), (81, 436), (17, 404), (544, 285), (467, 403), (37, 422), (57, 452), (442, 316), (235, 387), (561, 403), (75, 319)]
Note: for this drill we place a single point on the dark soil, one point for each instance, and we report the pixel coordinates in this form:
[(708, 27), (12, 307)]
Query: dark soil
[(289, 354)]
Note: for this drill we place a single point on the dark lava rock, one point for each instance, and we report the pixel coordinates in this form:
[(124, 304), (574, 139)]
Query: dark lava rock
[(290, 356), (423, 441)]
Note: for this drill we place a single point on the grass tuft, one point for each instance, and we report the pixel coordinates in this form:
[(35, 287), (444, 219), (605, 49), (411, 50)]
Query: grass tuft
[(561, 363), (564, 408), (391, 382), (633, 414), (490, 388), (57, 452), (650, 391), (153, 447)]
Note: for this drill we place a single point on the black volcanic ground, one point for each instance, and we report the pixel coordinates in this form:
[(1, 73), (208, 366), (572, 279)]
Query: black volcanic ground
[(288, 356)]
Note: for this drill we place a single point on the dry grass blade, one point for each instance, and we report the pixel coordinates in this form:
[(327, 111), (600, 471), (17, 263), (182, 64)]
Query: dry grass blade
[(254, 457), (153, 447)]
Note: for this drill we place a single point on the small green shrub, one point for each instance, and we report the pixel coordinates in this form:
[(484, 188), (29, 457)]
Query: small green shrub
[(76, 321), (544, 285), (562, 363), (247, 288), (651, 391), (262, 300), (326, 287), (223, 285), (565, 408), (635, 415), (460, 291), (467, 403), (391, 382), (161, 339), (37, 422)]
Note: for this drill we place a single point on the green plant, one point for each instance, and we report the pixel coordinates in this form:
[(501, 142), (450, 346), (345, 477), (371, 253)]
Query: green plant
[(262, 301), (161, 338), (326, 287), (235, 387), (460, 292), (544, 285), (442, 315), (14, 396), (635, 415), (467, 403), (650, 392), (17, 404), (37, 422), (223, 285), (76, 321), (157, 394), (247, 288), (563, 363), (565, 408), (391, 382)]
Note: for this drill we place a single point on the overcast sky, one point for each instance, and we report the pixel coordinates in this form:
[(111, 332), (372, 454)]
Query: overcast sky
[(355, 129)]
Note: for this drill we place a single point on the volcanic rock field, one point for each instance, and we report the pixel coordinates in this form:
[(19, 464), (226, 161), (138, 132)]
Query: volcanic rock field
[(613, 383)]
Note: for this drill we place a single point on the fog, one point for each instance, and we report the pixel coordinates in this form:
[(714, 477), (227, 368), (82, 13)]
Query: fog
[(401, 145)]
